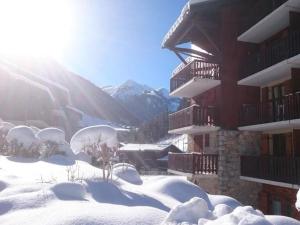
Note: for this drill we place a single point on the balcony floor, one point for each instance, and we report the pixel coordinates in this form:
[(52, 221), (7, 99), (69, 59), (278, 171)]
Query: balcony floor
[(194, 130), (270, 182), (287, 124), (195, 87), (279, 71), (271, 24)]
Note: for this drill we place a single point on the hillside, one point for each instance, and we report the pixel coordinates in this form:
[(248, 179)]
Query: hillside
[(83, 94)]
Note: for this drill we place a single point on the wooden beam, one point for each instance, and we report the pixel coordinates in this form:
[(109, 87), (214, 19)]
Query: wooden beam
[(180, 57), (207, 36), (210, 58)]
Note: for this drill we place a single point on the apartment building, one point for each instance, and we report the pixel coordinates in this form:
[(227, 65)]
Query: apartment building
[(242, 78)]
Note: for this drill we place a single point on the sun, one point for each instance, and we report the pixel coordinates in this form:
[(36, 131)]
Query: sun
[(35, 27)]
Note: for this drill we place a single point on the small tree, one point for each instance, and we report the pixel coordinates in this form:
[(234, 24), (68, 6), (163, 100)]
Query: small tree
[(100, 142)]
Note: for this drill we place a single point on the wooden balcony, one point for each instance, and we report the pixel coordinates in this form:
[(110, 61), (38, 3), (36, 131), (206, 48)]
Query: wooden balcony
[(193, 163), (194, 119), (272, 63), (266, 18), (194, 78), (279, 113), (271, 168)]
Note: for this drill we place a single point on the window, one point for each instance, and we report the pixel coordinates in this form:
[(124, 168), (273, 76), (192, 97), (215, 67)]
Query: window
[(287, 210), (276, 207)]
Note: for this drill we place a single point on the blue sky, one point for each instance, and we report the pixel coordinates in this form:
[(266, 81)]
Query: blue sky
[(117, 40)]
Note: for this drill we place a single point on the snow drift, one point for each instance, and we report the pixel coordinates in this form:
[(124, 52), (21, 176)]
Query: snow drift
[(36, 192), (127, 172)]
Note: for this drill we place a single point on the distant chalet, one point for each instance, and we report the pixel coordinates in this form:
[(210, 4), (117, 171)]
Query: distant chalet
[(147, 156)]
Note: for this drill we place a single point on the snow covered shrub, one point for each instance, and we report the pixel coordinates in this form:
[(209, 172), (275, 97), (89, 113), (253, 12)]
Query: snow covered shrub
[(100, 142), (127, 172), (54, 141), (4, 128), (35, 129), (22, 142)]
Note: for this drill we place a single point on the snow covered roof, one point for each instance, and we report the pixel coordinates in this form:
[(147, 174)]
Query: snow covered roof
[(144, 147), (165, 158), (184, 18)]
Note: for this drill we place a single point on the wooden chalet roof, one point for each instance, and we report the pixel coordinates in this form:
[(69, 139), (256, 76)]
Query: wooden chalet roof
[(179, 32)]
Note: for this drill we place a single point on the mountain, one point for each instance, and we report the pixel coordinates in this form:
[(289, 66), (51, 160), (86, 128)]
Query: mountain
[(144, 102), (56, 80)]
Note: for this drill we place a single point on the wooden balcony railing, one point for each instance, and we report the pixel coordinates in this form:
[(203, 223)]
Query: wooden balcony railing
[(280, 169), (194, 115), (194, 68), (259, 11), (194, 163), (277, 51), (285, 108)]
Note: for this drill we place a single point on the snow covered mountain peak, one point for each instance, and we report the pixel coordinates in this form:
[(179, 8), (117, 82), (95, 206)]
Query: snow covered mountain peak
[(128, 88), (143, 101)]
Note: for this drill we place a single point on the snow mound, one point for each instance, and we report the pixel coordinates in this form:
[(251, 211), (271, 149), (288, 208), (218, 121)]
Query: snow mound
[(34, 192), (127, 172), (107, 192), (221, 210), (222, 199), (94, 135), (189, 212), (196, 211), (297, 204), (52, 134), (179, 189), (69, 191), (22, 135)]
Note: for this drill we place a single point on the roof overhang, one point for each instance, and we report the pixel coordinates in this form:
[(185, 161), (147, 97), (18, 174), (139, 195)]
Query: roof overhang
[(184, 23)]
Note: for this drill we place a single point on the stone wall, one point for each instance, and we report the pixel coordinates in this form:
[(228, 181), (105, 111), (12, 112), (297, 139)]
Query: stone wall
[(230, 146), (209, 183)]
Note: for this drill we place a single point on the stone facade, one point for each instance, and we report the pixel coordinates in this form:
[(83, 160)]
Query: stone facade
[(209, 183), (231, 144)]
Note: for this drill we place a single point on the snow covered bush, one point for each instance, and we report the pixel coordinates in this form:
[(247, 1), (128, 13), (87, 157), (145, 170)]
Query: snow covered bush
[(54, 142), (35, 129), (22, 142), (100, 142), (127, 172), (4, 128)]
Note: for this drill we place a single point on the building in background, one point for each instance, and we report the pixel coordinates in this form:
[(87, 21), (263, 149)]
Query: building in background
[(242, 76), (147, 156)]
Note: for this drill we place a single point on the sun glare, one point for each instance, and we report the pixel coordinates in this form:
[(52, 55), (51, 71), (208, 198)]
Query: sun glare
[(35, 27)]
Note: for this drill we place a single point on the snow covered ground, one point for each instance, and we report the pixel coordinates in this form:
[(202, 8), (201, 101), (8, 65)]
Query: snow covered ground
[(62, 190)]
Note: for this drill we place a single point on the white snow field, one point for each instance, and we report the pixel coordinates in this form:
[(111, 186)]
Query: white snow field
[(65, 191)]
